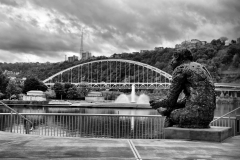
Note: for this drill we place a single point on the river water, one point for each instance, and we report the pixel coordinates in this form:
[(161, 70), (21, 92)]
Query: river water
[(76, 126), (221, 109)]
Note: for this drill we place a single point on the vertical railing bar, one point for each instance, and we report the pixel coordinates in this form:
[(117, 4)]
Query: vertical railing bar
[(48, 128), (75, 127), (84, 123), (41, 122), (20, 125), (59, 125), (80, 126), (53, 126), (1, 120), (90, 126), (97, 126), (56, 124), (119, 129), (63, 123), (110, 127), (87, 125), (11, 121), (151, 128), (125, 121), (115, 120), (14, 122), (73, 130)]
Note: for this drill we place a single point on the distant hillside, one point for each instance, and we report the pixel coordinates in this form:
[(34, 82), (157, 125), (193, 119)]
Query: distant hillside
[(222, 61)]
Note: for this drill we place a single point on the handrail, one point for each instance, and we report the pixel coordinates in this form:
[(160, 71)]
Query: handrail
[(83, 114), (17, 114), (225, 114)]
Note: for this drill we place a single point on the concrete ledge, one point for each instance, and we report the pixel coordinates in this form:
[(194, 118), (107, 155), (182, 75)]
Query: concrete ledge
[(213, 134)]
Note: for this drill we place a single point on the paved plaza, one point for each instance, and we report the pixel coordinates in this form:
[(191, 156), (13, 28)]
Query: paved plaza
[(17, 146)]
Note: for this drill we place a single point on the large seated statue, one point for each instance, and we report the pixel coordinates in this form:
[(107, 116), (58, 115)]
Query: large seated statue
[(196, 109)]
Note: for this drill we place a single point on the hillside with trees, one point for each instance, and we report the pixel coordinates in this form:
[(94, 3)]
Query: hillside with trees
[(222, 61)]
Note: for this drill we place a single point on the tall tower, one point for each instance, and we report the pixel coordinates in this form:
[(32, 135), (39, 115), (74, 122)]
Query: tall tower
[(81, 47)]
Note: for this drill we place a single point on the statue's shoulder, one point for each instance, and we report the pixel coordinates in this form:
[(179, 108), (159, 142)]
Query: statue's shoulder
[(180, 69), (187, 67), (195, 64)]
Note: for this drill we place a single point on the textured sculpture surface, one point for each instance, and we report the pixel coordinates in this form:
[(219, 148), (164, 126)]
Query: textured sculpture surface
[(196, 109)]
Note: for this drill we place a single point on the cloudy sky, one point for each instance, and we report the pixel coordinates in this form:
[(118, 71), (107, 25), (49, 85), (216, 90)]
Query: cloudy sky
[(47, 30)]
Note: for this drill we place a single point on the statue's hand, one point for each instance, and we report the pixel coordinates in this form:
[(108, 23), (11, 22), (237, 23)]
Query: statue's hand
[(162, 111), (154, 104)]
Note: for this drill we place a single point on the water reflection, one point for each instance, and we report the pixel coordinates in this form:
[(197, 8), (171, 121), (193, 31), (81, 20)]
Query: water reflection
[(87, 126), (221, 109)]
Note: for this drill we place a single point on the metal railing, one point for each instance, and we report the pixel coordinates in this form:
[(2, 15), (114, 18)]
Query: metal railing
[(26, 121), (88, 125), (227, 120)]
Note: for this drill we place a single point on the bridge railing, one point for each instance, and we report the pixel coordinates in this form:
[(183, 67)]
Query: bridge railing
[(227, 120), (27, 123), (88, 125)]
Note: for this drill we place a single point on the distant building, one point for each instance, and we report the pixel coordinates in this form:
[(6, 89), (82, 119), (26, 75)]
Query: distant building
[(10, 73), (35, 96), (86, 55), (194, 43), (158, 48), (135, 52), (194, 40), (238, 40), (227, 43), (116, 55), (143, 51), (22, 80), (73, 58), (94, 97)]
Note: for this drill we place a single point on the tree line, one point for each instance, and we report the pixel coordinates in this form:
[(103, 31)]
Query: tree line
[(216, 56)]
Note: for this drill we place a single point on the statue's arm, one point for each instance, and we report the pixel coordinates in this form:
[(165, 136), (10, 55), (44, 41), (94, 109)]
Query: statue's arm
[(180, 103), (174, 91)]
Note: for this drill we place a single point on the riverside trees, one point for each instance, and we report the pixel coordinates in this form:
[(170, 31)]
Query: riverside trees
[(70, 91)]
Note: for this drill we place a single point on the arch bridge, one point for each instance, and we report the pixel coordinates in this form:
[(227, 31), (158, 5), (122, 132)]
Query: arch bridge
[(113, 74)]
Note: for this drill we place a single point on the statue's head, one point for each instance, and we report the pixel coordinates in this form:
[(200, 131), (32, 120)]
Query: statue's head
[(179, 57)]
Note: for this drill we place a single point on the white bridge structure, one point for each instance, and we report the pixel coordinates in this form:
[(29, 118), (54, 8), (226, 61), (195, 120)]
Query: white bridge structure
[(113, 74)]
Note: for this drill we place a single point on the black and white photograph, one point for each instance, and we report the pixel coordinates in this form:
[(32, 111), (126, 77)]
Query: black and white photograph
[(120, 79)]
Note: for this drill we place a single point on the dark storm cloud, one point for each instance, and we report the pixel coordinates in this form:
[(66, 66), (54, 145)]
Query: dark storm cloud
[(25, 38), (9, 2)]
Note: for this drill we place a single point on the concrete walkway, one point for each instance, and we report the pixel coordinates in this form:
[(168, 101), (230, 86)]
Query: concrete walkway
[(17, 146)]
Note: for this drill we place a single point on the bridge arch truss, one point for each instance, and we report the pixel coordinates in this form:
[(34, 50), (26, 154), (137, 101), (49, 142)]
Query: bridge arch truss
[(113, 74)]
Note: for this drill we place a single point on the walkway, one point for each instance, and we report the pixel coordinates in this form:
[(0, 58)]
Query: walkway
[(17, 146)]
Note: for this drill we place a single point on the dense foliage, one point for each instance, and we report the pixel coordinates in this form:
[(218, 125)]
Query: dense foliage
[(222, 61), (33, 84)]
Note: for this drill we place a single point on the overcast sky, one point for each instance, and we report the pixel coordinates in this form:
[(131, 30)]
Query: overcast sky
[(47, 30)]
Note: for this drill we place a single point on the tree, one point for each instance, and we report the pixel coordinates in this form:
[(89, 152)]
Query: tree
[(236, 60), (223, 39), (13, 88), (59, 90), (67, 86), (214, 42), (83, 90), (50, 94), (3, 83), (33, 84), (72, 93)]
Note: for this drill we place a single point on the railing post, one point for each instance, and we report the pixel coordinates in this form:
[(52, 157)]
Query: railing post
[(11, 121), (26, 125), (229, 118), (238, 125)]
